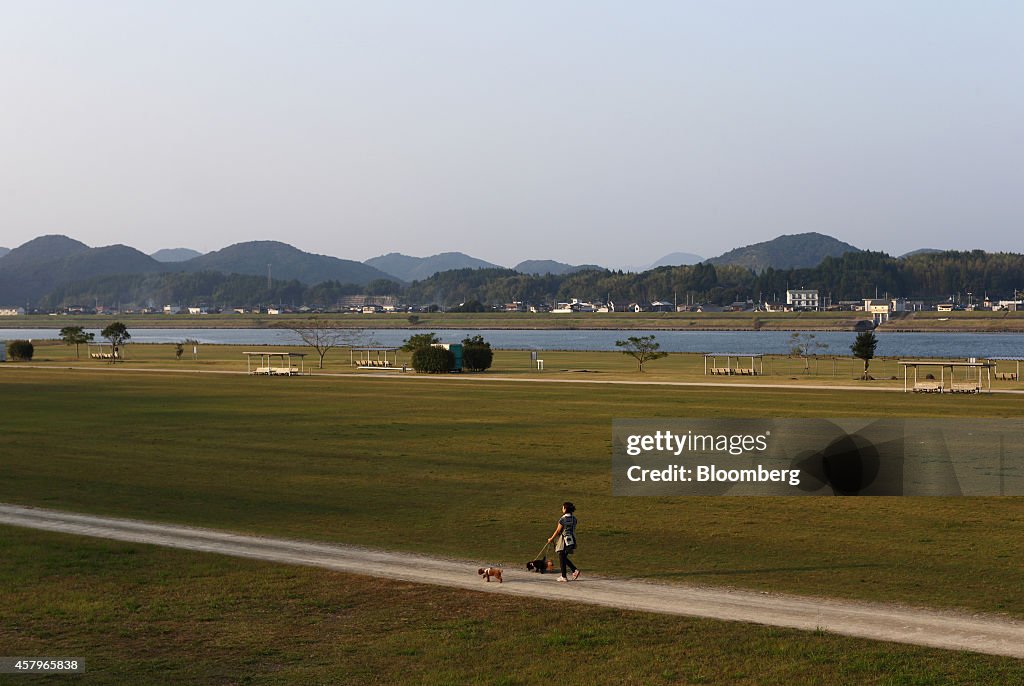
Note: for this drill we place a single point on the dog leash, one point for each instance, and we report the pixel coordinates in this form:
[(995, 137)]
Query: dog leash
[(542, 551)]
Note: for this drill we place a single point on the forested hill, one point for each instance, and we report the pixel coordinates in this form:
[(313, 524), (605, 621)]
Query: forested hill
[(408, 268), (284, 261), (44, 263), (852, 276), (795, 251), (849, 277)]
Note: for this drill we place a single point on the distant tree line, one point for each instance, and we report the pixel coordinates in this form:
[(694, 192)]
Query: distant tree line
[(852, 276)]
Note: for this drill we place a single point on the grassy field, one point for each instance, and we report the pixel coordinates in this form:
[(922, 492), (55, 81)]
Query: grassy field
[(146, 615), (824, 370), (958, 321), (143, 615), (477, 470), (696, 321)]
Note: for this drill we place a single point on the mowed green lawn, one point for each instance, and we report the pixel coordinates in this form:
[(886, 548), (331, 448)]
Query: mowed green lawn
[(144, 615), (478, 470), (824, 370)]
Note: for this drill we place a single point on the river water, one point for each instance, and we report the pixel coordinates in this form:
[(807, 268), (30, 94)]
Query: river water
[(769, 342)]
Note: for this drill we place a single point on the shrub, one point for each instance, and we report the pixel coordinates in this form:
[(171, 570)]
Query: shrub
[(419, 340), (20, 350), (433, 360), (477, 355)]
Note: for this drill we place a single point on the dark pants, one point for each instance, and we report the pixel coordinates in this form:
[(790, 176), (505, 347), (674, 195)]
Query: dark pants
[(564, 561)]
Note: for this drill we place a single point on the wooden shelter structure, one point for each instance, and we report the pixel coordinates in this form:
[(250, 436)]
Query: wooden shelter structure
[(376, 357), (1006, 376), (756, 367), (969, 384), (99, 350), (272, 363)]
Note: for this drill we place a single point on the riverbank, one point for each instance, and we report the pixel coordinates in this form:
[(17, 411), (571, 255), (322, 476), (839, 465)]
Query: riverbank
[(915, 322)]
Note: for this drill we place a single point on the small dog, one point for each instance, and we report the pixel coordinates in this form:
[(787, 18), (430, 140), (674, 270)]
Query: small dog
[(488, 572), (541, 566)]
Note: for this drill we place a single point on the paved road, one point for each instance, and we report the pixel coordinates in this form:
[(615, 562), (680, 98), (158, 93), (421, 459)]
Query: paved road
[(949, 630)]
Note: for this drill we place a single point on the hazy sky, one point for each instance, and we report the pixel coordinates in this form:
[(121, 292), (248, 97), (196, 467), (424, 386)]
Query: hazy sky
[(604, 132)]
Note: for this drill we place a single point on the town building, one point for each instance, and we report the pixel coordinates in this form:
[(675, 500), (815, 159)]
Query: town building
[(904, 305), (803, 299), (878, 309)]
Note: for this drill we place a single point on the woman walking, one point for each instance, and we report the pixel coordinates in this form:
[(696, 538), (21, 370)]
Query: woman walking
[(565, 532)]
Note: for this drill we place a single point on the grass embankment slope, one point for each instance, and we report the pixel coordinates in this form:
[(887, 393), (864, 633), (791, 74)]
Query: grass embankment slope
[(143, 615), (477, 470), (686, 321)]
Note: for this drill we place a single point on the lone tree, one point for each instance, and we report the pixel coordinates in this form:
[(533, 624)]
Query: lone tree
[(76, 336), (804, 345), (323, 335), (117, 334), (642, 349), (864, 348)]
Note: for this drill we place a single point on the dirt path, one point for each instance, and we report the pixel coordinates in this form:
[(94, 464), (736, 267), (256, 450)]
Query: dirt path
[(949, 630), (497, 378)]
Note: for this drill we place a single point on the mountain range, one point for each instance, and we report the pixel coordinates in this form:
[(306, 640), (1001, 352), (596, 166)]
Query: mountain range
[(43, 265), (35, 269)]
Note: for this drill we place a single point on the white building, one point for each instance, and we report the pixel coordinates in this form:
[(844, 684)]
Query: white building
[(803, 299), (574, 306), (878, 309), (11, 311)]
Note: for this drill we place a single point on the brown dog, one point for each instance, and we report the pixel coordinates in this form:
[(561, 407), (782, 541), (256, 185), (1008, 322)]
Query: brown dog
[(488, 572)]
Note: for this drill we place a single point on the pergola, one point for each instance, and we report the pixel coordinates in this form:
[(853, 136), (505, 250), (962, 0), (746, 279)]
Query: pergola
[(968, 385), (374, 358), (1006, 376), (752, 370), (275, 363), (103, 351)]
